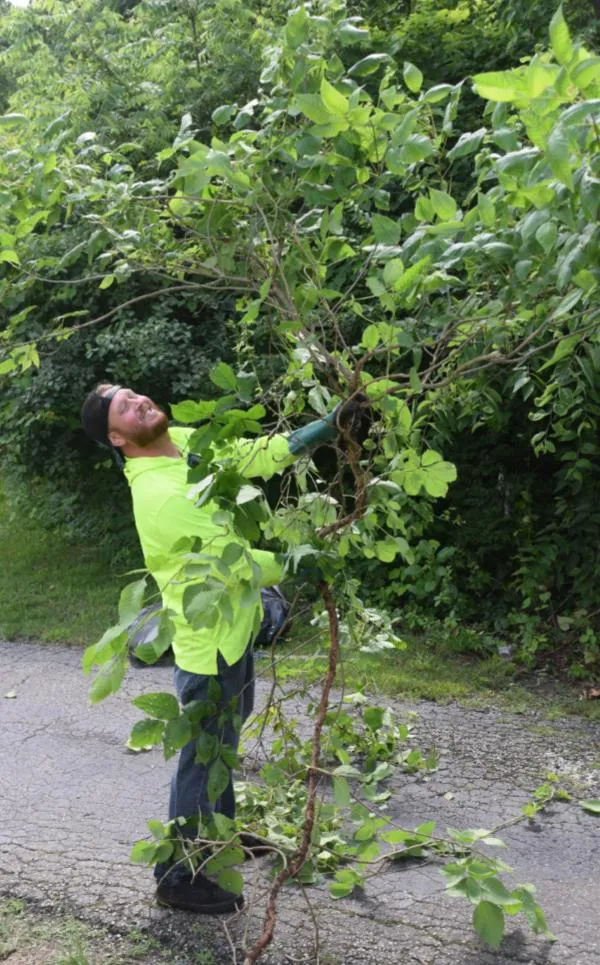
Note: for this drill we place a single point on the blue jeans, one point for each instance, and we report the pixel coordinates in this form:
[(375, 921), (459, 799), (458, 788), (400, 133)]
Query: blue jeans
[(189, 785)]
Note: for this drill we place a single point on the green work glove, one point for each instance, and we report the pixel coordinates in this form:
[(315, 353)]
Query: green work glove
[(354, 416)]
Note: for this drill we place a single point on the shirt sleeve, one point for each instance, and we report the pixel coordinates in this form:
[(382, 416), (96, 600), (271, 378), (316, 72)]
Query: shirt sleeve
[(263, 457)]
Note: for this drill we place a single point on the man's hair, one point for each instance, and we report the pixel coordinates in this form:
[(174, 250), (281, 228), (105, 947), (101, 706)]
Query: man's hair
[(94, 412)]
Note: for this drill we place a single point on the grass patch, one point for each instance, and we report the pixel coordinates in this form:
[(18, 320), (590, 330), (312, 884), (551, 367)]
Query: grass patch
[(51, 589), (58, 939), (429, 669)]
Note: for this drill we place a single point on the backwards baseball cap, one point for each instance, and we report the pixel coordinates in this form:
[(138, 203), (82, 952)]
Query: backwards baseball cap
[(94, 415)]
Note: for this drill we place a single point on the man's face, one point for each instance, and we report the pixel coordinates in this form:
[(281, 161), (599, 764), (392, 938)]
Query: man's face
[(135, 419)]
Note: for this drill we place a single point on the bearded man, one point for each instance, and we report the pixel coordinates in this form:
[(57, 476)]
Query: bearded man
[(155, 459)]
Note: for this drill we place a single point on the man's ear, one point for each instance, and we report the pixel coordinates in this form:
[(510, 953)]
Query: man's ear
[(116, 439)]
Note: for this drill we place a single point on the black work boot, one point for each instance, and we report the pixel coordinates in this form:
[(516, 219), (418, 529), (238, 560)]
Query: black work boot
[(201, 895)]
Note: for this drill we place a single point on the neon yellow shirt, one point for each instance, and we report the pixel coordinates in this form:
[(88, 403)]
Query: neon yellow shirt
[(164, 514)]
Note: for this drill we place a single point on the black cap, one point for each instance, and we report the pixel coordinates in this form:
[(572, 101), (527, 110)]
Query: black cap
[(94, 415)]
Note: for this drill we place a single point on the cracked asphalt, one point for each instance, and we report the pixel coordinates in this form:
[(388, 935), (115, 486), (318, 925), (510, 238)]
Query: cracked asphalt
[(73, 800)]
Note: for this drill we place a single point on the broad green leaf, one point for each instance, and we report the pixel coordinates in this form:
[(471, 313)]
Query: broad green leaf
[(223, 376), (413, 78), (162, 706), (334, 102), (488, 922), (178, 733), (143, 852), (9, 256), (560, 38), (557, 152), (341, 792), (565, 347), (108, 680), (444, 204), (232, 553), (107, 281), (467, 143), (370, 337), (547, 234), (394, 269), (313, 106), (386, 230), (189, 411), (438, 473), (500, 85), (438, 93), (591, 805), (587, 73), (13, 120), (218, 779), (145, 733), (368, 65), (231, 880), (246, 494), (416, 148), (130, 602)]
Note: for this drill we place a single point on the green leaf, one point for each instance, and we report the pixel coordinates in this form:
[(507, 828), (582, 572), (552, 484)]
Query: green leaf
[(246, 494), (163, 706), (370, 337), (558, 154), (130, 602), (335, 102), (416, 148), (189, 411), (13, 120), (488, 922), (232, 553), (393, 271), (413, 78), (368, 65), (218, 779), (107, 281), (313, 106), (145, 733), (591, 805), (10, 256), (587, 73), (499, 85), (560, 38), (223, 376), (108, 680), (231, 880), (341, 792), (438, 473), (178, 733), (386, 230), (438, 93), (547, 234), (467, 143), (443, 204), (564, 348)]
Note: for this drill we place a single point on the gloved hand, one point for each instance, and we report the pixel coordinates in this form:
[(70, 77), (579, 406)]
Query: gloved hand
[(355, 417)]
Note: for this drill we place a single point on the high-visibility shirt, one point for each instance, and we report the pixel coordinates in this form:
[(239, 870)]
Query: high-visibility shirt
[(165, 516)]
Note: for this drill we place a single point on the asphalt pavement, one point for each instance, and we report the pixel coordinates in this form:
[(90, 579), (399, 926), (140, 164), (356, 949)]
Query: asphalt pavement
[(73, 800)]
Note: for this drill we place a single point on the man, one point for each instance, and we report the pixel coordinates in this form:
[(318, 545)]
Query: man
[(156, 467)]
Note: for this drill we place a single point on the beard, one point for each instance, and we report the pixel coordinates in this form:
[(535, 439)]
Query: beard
[(145, 435)]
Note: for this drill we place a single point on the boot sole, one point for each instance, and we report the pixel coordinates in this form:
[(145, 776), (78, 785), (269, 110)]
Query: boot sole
[(223, 908)]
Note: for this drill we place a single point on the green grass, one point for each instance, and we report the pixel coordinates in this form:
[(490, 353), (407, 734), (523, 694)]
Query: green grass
[(59, 939), (428, 669), (51, 589), (57, 591)]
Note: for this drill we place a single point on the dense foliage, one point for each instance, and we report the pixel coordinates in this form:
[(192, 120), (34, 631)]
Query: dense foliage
[(316, 203)]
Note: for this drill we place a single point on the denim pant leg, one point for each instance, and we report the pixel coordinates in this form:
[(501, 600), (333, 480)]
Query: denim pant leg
[(189, 785)]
